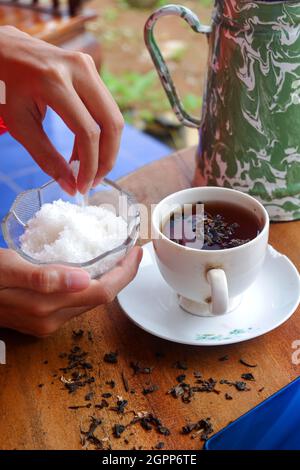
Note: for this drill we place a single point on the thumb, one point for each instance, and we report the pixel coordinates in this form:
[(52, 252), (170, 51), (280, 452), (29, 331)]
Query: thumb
[(19, 273), (33, 137)]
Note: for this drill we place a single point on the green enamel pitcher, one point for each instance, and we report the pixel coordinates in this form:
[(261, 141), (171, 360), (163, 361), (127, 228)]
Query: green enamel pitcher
[(250, 125)]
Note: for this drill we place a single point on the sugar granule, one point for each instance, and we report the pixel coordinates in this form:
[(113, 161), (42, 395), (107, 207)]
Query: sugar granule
[(66, 232)]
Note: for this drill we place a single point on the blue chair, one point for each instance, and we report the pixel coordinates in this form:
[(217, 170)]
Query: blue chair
[(19, 172)]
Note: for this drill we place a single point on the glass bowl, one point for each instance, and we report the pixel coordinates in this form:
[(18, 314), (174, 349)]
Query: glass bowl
[(107, 193)]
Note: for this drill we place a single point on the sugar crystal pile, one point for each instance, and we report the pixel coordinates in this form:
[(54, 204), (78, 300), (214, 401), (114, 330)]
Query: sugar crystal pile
[(62, 231)]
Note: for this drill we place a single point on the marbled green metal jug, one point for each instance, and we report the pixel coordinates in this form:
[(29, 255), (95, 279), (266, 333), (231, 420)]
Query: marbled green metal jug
[(250, 125)]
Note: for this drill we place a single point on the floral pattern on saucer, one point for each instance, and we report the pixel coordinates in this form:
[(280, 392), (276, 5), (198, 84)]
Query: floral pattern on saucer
[(221, 337)]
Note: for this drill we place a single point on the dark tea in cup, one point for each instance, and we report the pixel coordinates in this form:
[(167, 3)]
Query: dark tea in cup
[(213, 225)]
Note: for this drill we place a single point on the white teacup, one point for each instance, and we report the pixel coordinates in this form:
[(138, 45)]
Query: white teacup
[(209, 282)]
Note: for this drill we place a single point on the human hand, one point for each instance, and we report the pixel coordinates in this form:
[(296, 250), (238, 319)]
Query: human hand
[(38, 300), (37, 75)]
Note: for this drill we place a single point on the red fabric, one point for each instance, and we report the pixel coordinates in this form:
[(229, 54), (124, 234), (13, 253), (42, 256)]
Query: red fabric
[(2, 126)]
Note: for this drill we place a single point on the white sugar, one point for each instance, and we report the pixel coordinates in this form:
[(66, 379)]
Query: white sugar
[(82, 200), (66, 232)]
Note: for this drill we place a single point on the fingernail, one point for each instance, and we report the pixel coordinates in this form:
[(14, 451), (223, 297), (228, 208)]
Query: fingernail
[(96, 182), (85, 189), (78, 280), (66, 186)]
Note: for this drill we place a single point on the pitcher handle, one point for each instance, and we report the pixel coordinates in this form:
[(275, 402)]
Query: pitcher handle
[(158, 60)]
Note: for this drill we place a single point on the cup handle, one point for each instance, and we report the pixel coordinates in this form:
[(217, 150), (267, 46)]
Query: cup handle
[(219, 291)]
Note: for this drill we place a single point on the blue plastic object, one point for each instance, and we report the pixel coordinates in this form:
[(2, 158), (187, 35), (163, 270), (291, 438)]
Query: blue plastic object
[(272, 425), (19, 172)]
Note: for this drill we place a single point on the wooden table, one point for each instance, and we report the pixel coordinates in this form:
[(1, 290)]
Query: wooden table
[(63, 30), (37, 417)]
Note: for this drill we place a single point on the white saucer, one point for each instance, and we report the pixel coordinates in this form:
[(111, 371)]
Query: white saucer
[(271, 300)]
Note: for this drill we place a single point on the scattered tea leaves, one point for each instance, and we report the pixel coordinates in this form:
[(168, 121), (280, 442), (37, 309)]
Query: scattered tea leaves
[(182, 365), (248, 376), (111, 383), (78, 407), (78, 370), (103, 404), (138, 369), (205, 385), (72, 386), (180, 378), (160, 445), (118, 429), (78, 373), (111, 357), (120, 407), (77, 334), (186, 391), (228, 397), (197, 374), (125, 382), (246, 363), (89, 436), (149, 421), (239, 385), (150, 389), (224, 358), (201, 428), (89, 396)]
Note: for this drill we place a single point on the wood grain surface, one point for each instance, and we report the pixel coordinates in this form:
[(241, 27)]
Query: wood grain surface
[(38, 417)]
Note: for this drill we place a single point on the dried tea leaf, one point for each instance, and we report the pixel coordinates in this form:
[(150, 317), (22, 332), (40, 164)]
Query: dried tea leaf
[(118, 429), (228, 397), (149, 421), (103, 404), (111, 383), (111, 357), (89, 396), (223, 358), (121, 405), (89, 436), (248, 376), (150, 389), (78, 407), (160, 445), (181, 378), (247, 364), (182, 365), (138, 369), (125, 382), (239, 385), (77, 334), (201, 428)]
